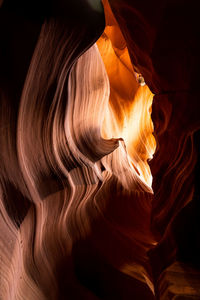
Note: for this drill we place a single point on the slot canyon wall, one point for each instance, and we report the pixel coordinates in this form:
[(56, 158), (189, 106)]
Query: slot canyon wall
[(99, 150)]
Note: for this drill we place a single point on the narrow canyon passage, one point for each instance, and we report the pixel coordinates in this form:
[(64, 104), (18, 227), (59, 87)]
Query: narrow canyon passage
[(99, 150)]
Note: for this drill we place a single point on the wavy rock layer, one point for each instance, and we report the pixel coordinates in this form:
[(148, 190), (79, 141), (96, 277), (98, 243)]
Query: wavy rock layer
[(164, 48), (76, 222), (79, 218)]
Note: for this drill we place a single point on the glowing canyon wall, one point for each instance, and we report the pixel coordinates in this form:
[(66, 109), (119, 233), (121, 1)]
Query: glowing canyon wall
[(99, 150)]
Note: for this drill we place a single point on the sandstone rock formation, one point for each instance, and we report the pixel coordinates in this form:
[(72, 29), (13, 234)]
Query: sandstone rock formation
[(99, 139)]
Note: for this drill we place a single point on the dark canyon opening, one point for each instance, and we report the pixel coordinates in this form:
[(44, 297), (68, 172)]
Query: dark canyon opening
[(99, 150)]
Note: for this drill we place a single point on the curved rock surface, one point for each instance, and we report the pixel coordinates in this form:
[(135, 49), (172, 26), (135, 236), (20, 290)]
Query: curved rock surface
[(80, 216)]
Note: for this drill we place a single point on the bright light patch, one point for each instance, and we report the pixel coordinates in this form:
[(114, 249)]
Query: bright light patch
[(96, 5), (128, 115)]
